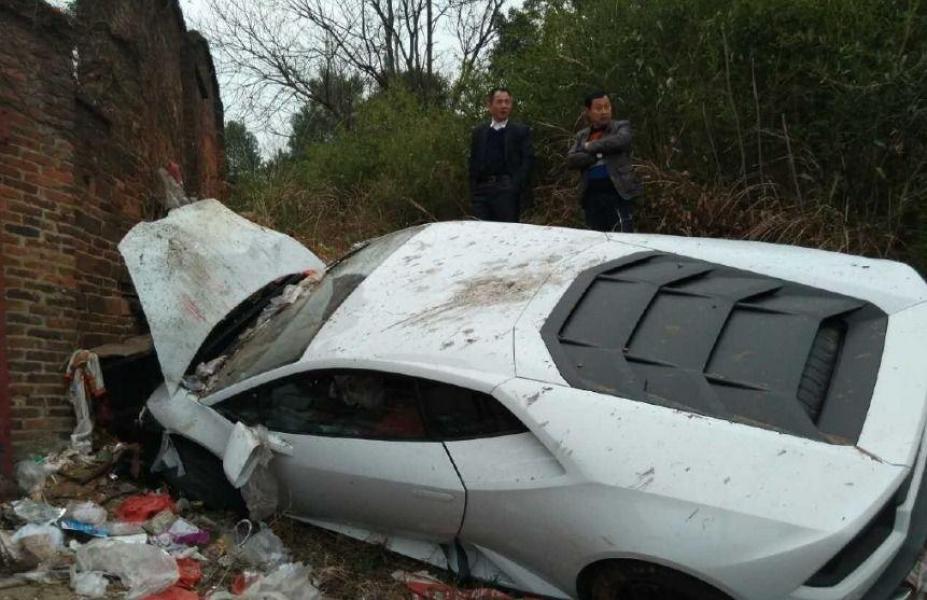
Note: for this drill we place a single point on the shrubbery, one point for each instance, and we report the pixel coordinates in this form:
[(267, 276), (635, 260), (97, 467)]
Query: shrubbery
[(814, 109)]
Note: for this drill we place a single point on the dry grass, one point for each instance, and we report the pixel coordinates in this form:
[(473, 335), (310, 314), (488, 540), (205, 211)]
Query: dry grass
[(328, 221)]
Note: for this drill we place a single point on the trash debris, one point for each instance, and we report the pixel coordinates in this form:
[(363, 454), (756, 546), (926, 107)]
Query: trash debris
[(136, 509), (168, 457), (188, 534), (121, 528), (31, 511), (425, 587), (85, 382), (44, 542), (85, 528), (263, 550), (31, 476), (160, 523), (91, 584), (86, 512), (190, 573), (174, 593), (290, 580), (142, 568)]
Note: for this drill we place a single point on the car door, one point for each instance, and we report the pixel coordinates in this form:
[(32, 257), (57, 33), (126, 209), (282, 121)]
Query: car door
[(362, 458)]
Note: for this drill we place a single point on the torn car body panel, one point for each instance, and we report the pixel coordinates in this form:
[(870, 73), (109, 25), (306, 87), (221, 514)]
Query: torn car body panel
[(193, 267)]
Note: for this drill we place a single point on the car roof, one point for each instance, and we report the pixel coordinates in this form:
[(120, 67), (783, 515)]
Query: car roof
[(450, 296)]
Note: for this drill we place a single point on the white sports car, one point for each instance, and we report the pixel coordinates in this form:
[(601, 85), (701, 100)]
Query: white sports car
[(564, 412)]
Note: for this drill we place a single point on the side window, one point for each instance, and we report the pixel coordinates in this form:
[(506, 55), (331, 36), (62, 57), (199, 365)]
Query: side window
[(371, 405), (454, 413)]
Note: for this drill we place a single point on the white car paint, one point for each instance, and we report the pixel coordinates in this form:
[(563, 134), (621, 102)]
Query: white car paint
[(597, 477), (194, 266)]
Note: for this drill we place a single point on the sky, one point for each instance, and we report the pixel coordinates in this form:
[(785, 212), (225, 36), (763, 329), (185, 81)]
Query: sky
[(198, 11)]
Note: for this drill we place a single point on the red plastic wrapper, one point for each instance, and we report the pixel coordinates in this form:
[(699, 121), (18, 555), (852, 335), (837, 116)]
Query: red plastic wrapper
[(190, 573), (174, 593), (137, 509), (242, 581)]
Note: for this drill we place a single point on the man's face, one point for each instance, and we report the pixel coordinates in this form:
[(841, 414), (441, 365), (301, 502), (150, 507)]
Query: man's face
[(500, 106), (599, 112)]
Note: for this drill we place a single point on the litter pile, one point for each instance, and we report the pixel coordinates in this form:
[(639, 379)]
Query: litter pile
[(143, 541)]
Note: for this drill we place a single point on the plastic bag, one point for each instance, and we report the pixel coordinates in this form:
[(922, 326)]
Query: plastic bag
[(190, 573), (261, 492), (144, 569), (290, 581), (185, 533), (36, 512), (168, 457), (136, 509), (175, 593), (31, 476), (86, 512), (90, 585), (44, 542), (160, 523), (264, 550)]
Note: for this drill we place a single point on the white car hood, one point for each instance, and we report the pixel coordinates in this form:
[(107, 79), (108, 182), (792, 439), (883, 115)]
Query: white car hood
[(194, 266)]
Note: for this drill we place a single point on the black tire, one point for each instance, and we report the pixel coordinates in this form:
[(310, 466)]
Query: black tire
[(637, 580), (203, 478), (815, 378)]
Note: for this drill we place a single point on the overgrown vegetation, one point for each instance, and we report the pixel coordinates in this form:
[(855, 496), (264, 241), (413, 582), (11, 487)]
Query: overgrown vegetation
[(799, 121)]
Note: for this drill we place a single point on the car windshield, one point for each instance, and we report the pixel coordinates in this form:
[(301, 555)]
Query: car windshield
[(283, 338)]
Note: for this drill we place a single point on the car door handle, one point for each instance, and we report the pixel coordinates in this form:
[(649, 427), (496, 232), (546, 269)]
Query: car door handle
[(426, 494)]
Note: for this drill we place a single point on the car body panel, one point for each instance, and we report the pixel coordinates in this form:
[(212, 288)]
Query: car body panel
[(405, 489), (687, 486), (896, 414), (890, 285), (454, 291), (194, 266)]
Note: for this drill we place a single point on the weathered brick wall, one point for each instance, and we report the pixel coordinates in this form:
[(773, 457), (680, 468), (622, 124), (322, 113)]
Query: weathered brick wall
[(91, 104)]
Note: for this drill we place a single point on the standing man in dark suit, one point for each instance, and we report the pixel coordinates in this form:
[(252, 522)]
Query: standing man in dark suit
[(602, 154), (501, 157)]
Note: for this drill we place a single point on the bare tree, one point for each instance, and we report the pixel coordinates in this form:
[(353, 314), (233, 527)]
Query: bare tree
[(274, 52)]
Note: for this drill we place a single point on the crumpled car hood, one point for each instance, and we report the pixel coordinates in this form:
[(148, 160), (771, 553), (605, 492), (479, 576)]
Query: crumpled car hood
[(196, 265)]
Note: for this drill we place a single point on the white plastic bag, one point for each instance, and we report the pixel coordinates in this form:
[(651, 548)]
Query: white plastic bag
[(290, 581), (264, 550), (144, 569), (86, 512), (89, 585)]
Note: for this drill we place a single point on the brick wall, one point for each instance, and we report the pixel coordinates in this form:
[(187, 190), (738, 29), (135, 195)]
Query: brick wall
[(91, 104)]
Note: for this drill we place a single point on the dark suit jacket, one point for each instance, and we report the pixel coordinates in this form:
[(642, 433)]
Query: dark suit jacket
[(519, 154), (615, 147)]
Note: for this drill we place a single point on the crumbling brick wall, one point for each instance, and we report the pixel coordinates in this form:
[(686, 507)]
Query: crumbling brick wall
[(92, 102)]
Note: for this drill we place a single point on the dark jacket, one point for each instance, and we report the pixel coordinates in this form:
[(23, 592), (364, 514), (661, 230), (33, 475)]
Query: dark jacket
[(615, 147), (519, 154)]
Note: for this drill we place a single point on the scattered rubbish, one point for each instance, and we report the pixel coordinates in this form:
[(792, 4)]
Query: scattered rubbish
[(190, 573), (135, 538), (175, 593), (86, 512), (85, 528), (290, 580), (168, 457), (31, 511), (31, 477), (91, 584), (142, 568), (263, 550), (425, 587), (186, 533), (242, 581), (85, 382), (136, 509), (160, 523), (120, 528), (43, 542)]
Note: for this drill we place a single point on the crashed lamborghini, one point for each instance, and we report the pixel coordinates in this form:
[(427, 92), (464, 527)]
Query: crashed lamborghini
[(563, 412)]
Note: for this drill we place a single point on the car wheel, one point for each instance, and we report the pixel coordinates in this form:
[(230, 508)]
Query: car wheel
[(636, 580), (203, 478)]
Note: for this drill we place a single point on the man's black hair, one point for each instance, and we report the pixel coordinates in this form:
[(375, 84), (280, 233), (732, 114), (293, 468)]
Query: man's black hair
[(492, 93), (594, 96)]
